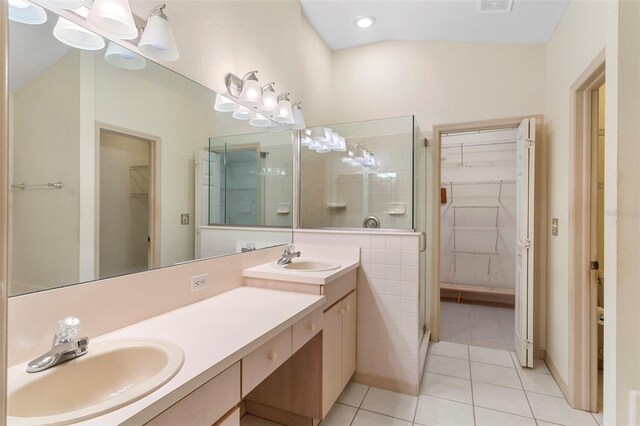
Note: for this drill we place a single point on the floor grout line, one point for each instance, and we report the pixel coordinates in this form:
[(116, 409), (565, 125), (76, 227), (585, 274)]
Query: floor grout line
[(473, 401), (525, 391)]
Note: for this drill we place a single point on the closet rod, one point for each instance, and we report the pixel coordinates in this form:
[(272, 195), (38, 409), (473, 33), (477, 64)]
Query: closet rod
[(57, 185)]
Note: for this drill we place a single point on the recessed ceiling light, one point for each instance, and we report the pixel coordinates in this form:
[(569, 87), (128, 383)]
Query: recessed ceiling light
[(365, 21)]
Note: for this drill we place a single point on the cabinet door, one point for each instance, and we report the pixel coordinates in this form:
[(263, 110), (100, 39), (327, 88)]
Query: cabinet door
[(348, 338), (331, 357)]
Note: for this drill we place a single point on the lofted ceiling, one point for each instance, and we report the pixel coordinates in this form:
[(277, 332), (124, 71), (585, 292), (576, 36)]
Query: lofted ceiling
[(529, 21)]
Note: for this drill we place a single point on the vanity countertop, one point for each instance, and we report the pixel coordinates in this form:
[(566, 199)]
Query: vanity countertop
[(268, 271), (214, 334)]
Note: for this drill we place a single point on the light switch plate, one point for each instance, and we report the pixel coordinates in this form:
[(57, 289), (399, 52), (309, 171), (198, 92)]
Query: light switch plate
[(554, 226), (199, 282), (184, 219)]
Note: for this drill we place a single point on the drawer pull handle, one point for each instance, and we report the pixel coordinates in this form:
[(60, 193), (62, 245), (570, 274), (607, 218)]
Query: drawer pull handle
[(273, 357), (311, 327), (341, 311)]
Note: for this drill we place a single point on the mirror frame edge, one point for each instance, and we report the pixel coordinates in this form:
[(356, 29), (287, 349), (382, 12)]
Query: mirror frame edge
[(4, 200)]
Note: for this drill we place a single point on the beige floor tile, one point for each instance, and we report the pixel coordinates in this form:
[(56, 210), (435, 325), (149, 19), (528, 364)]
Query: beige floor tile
[(486, 417), (390, 403), (539, 383), (490, 356), (499, 398), (448, 366), (599, 416), (340, 415), (353, 394), (538, 365), (447, 387), (437, 411), (453, 350), (495, 375), (556, 410), (367, 418)]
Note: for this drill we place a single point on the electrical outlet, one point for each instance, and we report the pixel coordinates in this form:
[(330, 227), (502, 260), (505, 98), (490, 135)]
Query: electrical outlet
[(184, 219), (554, 226), (199, 282)]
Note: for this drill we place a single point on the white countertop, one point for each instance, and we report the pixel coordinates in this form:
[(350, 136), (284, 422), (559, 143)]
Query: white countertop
[(268, 271), (214, 334)]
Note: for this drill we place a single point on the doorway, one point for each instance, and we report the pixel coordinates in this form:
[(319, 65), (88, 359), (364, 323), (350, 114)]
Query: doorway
[(474, 229), (126, 200)]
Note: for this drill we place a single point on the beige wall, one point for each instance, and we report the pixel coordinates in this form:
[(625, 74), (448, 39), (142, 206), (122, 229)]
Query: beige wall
[(438, 82), (45, 129), (579, 38)]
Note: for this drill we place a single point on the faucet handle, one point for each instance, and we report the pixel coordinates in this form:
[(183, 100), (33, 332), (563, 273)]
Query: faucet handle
[(290, 248), (68, 328)]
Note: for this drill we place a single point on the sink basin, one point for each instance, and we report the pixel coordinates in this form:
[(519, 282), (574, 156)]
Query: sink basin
[(113, 374), (308, 265)]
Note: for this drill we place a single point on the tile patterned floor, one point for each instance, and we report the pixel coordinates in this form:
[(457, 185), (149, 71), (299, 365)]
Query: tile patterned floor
[(477, 325), (463, 385)]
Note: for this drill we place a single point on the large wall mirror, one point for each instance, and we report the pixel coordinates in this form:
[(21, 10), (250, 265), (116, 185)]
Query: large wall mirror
[(116, 167)]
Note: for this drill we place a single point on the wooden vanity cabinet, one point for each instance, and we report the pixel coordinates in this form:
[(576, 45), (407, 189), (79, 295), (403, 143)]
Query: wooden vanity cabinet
[(338, 349)]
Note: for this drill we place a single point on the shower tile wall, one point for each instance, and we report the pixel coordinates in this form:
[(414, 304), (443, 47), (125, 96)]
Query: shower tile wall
[(387, 298), (278, 186), (220, 241)]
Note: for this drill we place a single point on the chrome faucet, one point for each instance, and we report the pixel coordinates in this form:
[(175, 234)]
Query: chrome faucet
[(64, 348), (288, 255)]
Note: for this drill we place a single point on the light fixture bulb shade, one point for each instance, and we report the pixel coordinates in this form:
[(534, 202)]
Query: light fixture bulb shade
[(26, 13), (342, 145), (77, 36), (114, 17), (323, 149), (269, 103), (298, 119), (224, 104), (318, 134), (65, 4), (285, 115), (157, 40), (251, 93), (121, 57), (306, 141), (260, 120), (243, 113)]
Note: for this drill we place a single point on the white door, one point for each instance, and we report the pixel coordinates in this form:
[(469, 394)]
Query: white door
[(525, 143)]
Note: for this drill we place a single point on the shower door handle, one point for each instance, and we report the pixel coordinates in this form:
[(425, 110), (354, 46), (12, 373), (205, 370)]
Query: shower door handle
[(423, 241)]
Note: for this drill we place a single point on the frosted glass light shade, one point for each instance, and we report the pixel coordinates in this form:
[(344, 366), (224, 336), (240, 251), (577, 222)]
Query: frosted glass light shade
[(76, 36), (243, 113), (224, 104), (26, 13), (269, 102), (285, 115), (251, 93), (306, 141), (319, 134), (65, 4), (259, 120), (157, 40), (323, 149), (123, 58), (298, 119), (114, 17)]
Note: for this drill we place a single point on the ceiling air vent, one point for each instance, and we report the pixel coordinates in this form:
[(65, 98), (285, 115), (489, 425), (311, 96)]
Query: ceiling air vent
[(495, 5)]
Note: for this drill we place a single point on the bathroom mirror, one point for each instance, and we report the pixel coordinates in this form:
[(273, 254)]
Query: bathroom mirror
[(109, 166)]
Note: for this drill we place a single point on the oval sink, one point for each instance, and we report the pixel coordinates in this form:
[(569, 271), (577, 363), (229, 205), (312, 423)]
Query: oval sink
[(113, 374), (308, 265)]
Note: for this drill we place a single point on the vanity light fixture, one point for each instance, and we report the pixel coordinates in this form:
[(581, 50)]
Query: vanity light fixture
[(364, 21), (260, 120), (113, 17), (157, 40), (26, 12), (269, 99), (285, 113), (77, 36), (298, 117), (243, 113), (251, 92), (65, 4), (121, 57)]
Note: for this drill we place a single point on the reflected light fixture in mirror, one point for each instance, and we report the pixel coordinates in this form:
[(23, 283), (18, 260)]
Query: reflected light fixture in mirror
[(76, 36), (158, 41), (123, 58), (260, 121), (243, 113), (224, 104), (26, 12), (113, 17)]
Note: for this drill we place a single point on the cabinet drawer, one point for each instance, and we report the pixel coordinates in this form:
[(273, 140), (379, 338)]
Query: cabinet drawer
[(207, 404), (305, 329), (265, 360), (339, 288)]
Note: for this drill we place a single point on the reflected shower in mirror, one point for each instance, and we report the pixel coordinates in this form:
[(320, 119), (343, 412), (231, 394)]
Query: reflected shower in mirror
[(106, 155)]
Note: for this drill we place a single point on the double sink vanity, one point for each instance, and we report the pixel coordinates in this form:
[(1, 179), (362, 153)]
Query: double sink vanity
[(284, 351)]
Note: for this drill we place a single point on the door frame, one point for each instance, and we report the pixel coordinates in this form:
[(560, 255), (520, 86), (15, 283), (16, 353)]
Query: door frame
[(583, 296), (154, 191), (540, 263)]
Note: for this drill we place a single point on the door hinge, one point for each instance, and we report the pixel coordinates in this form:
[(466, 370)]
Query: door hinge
[(595, 265), (527, 344), (526, 244), (426, 142), (529, 142)]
